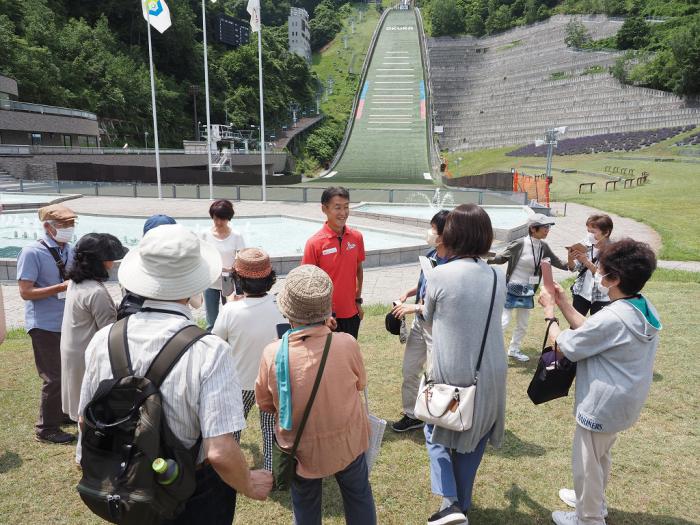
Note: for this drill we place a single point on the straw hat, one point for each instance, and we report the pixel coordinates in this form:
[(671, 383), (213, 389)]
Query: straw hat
[(307, 296), (170, 263), (252, 263)]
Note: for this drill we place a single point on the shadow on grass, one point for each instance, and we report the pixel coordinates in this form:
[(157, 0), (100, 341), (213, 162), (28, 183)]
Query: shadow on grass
[(9, 460), (416, 435), (520, 498), (514, 447)]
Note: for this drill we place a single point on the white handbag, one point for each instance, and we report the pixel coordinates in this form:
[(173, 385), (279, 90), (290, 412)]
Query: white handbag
[(376, 434), (447, 406)]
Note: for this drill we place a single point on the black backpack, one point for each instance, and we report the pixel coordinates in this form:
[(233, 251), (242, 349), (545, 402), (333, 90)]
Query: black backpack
[(125, 431), (131, 303)]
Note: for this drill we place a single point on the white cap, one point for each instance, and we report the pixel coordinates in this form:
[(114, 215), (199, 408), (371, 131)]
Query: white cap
[(539, 219)]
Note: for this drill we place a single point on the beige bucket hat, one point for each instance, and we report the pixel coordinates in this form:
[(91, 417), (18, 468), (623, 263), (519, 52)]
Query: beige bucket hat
[(307, 296)]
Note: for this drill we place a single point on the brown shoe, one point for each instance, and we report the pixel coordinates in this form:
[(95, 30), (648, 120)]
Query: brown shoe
[(56, 437)]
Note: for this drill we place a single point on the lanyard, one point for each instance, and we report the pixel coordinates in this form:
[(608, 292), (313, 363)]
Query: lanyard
[(534, 258)]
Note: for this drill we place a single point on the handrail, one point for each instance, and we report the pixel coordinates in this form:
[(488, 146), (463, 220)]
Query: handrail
[(365, 67), (433, 151), (13, 105)]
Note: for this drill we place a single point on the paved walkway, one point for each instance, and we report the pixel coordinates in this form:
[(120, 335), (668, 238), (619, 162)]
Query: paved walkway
[(381, 285)]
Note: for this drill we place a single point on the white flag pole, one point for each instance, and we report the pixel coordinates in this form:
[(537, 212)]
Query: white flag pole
[(153, 106), (262, 116), (206, 96)]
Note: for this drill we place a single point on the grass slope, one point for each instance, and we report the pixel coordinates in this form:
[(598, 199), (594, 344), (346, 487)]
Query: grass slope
[(654, 476), (668, 202)]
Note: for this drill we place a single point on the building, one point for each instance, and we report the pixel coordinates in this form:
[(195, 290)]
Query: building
[(22, 123), (299, 34)]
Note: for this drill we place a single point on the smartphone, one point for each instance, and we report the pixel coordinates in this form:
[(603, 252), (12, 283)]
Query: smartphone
[(282, 328)]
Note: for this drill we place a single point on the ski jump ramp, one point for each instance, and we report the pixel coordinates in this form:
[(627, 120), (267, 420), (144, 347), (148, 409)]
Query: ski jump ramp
[(389, 139)]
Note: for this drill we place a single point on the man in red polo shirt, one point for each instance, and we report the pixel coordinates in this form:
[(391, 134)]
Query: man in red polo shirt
[(339, 251)]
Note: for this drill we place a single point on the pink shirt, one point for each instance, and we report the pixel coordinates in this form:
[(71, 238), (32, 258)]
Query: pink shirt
[(337, 430)]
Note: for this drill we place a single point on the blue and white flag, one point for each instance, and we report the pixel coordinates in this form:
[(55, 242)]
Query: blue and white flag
[(254, 12), (157, 13)]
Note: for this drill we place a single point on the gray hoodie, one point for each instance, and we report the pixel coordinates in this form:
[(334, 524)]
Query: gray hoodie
[(614, 351)]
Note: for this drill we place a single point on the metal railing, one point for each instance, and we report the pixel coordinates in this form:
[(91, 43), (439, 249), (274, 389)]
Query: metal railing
[(18, 149), (13, 105)]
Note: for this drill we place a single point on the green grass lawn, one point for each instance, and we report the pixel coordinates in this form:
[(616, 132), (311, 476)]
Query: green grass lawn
[(654, 476), (668, 202)]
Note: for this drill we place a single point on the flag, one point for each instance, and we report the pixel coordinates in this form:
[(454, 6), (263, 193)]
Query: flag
[(157, 13), (254, 11)]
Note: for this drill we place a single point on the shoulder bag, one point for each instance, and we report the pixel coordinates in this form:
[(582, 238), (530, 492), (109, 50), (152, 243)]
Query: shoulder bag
[(554, 374), (284, 462), (447, 406)]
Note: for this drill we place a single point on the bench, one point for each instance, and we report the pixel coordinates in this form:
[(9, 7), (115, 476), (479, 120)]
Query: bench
[(613, 182), (589, 184), (642, 179), (630, 182)]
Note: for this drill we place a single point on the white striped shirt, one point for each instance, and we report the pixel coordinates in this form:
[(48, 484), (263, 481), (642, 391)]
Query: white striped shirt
[(201, 392)]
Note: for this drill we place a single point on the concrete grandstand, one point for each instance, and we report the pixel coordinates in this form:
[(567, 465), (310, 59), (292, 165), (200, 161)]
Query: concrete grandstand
[(508, 88)]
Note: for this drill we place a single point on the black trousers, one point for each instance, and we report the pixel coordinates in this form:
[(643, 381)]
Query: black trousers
[(213, 501), (349, 325), (584, 306)]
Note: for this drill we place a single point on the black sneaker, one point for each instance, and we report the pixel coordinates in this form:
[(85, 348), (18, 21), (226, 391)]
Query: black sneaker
[(406, 423), (449, 516), (56, 437)]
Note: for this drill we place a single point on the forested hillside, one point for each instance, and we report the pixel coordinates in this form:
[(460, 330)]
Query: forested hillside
[(661, 37), (94, 56)]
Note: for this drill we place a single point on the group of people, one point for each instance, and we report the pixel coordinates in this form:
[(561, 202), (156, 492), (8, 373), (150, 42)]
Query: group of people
[(297, 352)]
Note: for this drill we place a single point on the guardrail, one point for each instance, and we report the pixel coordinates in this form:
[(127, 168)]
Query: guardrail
[(10, 149), (433, 149), (13, 105)]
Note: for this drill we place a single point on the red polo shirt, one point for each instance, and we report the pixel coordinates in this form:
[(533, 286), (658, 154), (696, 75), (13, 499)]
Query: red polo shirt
[(338, 256)]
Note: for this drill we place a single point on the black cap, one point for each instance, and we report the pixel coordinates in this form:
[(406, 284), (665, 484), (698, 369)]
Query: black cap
[(104, 246), (392, 324)]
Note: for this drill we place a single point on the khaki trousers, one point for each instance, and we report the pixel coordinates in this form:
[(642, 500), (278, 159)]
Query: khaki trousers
[(418, 347), (591, 461)]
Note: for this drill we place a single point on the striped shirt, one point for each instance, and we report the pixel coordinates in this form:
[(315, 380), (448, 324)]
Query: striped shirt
[(200, 394)]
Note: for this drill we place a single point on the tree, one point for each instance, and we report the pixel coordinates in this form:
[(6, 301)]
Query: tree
[(324, 25), (446, 18), (685, 46), (634, 33), (576, 34), (499, 18)]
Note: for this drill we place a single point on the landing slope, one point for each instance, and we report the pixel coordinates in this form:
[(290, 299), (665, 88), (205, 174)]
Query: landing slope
[(388, 142)]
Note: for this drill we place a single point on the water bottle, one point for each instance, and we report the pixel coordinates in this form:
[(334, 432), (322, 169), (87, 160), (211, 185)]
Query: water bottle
[(167, 470)]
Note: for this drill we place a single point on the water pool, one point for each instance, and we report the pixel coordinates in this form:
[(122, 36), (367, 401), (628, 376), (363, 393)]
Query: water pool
[(27, 198), (502, 217), (279, 236)]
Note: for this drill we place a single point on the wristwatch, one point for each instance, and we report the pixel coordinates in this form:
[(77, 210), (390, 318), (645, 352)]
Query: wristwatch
[(358, 300), (552, 319)]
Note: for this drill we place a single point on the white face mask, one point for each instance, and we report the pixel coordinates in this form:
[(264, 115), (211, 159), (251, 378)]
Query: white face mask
[(64, 234), (431, 238), (598, 280), (590, 238)]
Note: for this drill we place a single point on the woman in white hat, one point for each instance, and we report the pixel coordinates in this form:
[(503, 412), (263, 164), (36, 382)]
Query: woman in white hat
[(523, 277), (336, 434)]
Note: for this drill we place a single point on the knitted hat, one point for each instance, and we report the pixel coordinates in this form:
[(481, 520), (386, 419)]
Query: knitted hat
[(252, 263), (307, 296)]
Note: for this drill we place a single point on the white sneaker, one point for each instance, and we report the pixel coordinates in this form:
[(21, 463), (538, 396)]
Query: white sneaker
[(568, 496), (516, 354), (560, 517)]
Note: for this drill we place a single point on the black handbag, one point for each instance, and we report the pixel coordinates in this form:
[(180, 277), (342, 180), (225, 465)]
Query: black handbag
[(554, 374), (284, 462)]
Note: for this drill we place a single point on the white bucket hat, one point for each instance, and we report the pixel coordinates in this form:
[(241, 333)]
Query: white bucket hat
[(170, 263)]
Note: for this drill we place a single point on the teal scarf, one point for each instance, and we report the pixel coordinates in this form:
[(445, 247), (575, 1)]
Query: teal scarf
[(284, 386)]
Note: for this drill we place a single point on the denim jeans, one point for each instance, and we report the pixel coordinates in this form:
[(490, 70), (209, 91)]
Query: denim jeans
[(213, 501), (452, 473), (353, 482), (212, 303)]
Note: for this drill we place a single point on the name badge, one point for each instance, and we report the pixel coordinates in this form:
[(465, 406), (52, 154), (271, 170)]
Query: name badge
[(61, 296), (225, 274), (329, 251), (534, 279)]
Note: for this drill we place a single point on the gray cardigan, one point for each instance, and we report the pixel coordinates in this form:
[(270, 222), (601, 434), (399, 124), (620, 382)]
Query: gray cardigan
[(456, 302), (514, 250)]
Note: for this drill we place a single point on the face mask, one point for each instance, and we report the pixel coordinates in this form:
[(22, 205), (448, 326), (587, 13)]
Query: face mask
[(598, 279), (431, 238), (590, 238), (64, 234)]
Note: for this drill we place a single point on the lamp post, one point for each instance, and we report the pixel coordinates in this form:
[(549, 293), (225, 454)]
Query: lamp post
[(550, 139)]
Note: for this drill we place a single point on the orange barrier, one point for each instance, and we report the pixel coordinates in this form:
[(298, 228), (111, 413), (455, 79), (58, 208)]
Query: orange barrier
[(537, 187)]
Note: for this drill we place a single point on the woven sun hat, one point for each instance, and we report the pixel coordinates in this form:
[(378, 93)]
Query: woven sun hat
[(538, 219), (307, 296), (252, 263), (170, 263)]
